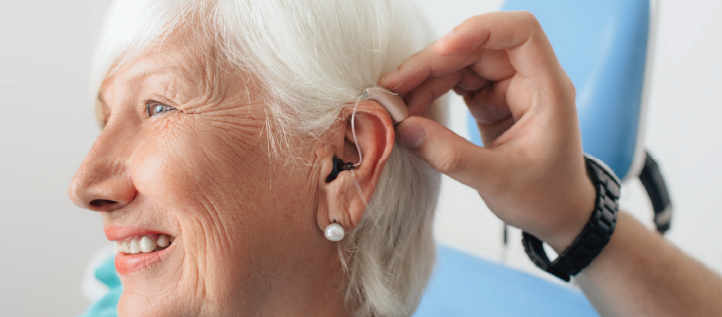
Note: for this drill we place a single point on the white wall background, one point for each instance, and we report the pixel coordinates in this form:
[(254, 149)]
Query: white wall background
[(46, 128)]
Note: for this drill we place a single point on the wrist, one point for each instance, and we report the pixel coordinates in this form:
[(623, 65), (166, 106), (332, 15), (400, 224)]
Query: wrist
[(576, 255)]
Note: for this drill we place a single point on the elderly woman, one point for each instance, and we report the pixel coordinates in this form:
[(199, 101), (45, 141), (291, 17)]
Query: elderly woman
[(242, 171), (220, 122)]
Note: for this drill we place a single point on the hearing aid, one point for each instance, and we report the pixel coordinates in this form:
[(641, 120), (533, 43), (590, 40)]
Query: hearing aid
[(394, 105), (396, 108), (338, 166)]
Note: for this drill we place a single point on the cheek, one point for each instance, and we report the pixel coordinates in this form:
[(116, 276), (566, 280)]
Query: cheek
[(202, 170), (237, 207)]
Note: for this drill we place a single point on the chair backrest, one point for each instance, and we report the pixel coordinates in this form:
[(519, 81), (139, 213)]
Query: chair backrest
[(603, 46), (467, 286)]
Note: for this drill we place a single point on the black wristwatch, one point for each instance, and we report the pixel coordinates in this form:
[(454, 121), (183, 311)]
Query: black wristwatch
[(594, 236)]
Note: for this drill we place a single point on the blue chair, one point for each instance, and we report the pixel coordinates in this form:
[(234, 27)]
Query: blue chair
[(464, 285), (107, 304), (602, 45)]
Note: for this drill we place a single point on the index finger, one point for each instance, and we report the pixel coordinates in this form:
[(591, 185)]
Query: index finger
[(519, 33)]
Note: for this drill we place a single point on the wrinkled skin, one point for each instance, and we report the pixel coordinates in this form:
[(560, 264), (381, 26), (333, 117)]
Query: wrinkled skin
[(247, 225)]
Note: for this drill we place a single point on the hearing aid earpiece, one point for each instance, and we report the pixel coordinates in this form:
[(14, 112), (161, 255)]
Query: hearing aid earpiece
[(338, 166), (392, 102)]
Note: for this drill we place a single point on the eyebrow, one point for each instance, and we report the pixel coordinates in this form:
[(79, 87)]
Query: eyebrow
[(138, 79)]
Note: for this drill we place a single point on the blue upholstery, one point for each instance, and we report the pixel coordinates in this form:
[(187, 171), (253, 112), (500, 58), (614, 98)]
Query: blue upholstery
[(107, 305), (464, 286), (602, 45)]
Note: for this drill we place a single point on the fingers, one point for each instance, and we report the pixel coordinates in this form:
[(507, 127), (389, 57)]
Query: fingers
[(420, 98), (491, 132), (498, 45), (446, 151), (489, 105), (530, 52), (496, 30), (422, 66), (486, 100), (487, 64), (493, 65)]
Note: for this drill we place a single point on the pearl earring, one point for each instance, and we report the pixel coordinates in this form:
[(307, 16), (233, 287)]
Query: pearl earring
[(334, 232)]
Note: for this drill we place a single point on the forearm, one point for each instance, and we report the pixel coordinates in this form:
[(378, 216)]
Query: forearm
[(640, 274)]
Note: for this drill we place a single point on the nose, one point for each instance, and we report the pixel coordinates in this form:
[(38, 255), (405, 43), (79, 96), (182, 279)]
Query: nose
[(103, 181)]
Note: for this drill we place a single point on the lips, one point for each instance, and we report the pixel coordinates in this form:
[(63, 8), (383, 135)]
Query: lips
[(129, 263), (138, 248), (123, 233)]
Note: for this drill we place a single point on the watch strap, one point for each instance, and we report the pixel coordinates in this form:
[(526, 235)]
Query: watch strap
[(596, 233)]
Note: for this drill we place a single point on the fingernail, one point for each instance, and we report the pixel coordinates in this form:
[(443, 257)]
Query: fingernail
[(445, 37), (411, 135), (389, 76)]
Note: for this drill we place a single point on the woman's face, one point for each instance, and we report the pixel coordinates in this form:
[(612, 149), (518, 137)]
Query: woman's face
[(184, 154)]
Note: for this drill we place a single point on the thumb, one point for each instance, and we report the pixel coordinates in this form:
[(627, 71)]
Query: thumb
[(445, 150)]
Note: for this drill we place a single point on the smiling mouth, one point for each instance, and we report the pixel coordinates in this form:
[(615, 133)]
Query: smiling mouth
[(144, 244)]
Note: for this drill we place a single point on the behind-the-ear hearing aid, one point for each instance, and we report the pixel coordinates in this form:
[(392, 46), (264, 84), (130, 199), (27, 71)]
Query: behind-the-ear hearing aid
[(392, 102), (394, 106)]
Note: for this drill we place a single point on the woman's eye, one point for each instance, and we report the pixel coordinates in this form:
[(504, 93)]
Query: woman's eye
[(155, 108)]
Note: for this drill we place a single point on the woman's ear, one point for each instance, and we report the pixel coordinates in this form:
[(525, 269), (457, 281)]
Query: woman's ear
[(339, 199)]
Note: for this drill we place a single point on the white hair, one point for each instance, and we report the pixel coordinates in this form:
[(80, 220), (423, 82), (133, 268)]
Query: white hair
[(312, 58)]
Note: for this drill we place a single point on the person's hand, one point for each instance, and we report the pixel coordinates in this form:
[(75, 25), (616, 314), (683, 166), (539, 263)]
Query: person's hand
[(531, 172)]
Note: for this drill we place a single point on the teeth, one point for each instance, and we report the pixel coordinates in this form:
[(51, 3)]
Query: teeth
[(144, 244), (147, 244), (123, 246), (134, 246), (163, 241)]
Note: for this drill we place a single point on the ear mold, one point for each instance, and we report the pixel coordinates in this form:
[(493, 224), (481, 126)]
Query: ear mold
[(338, 166)]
